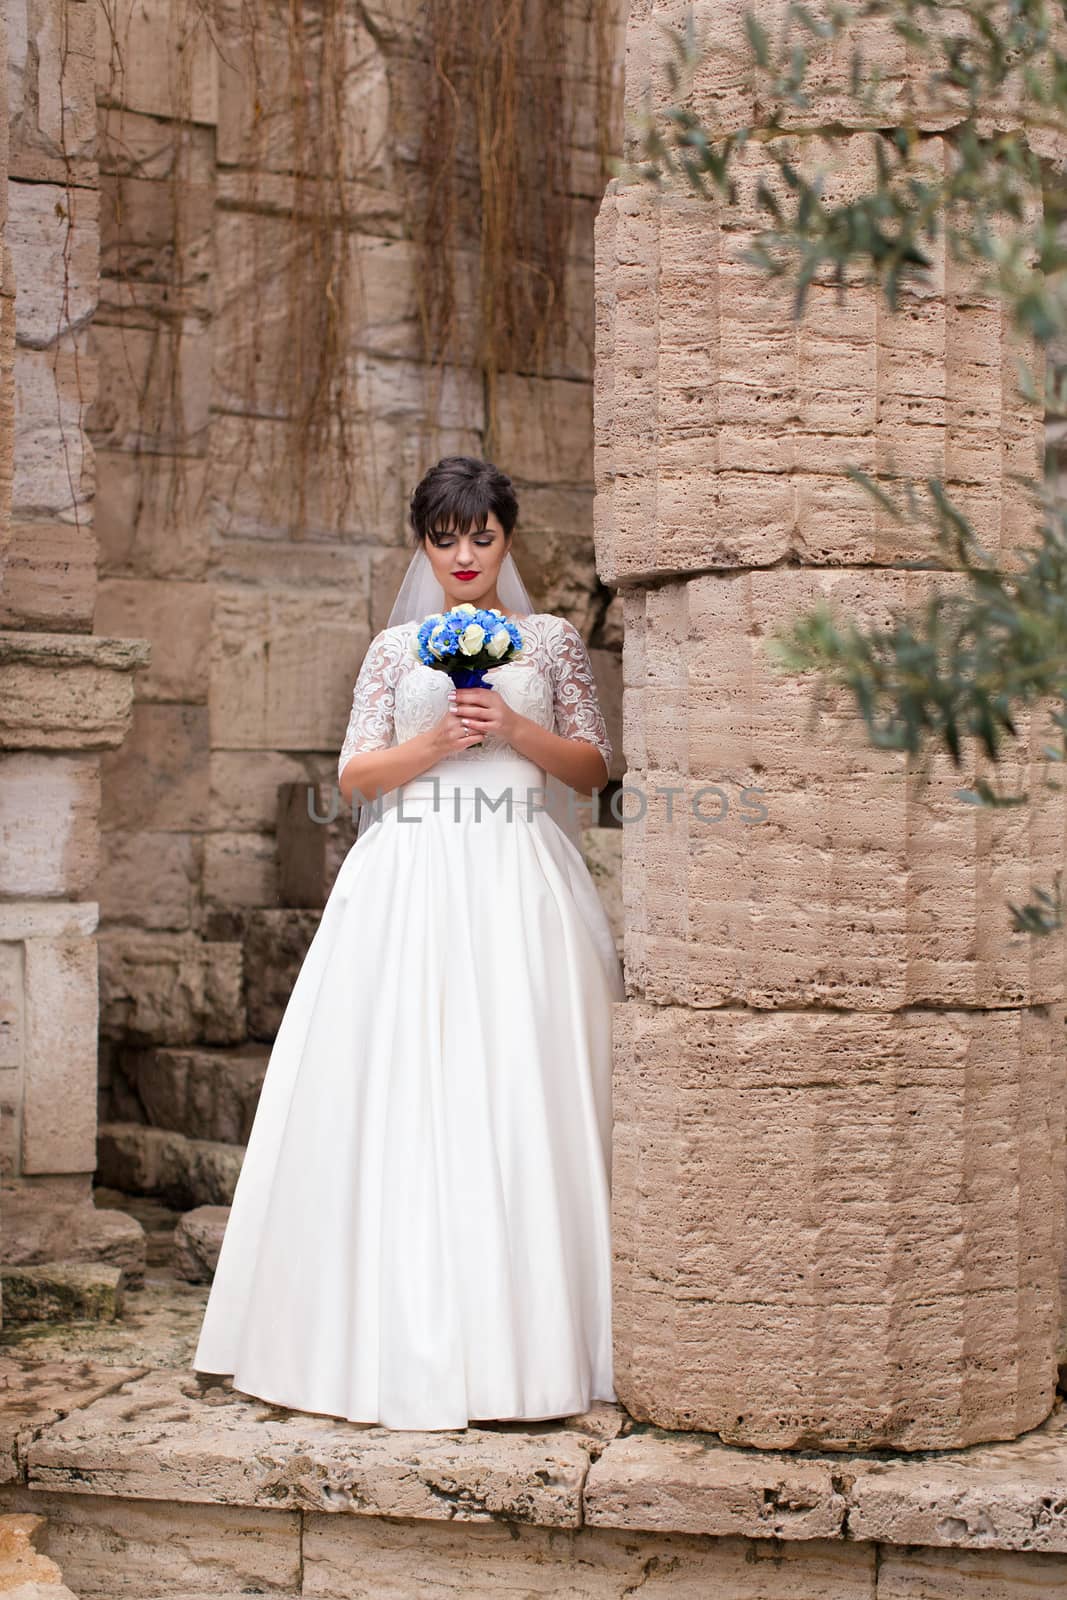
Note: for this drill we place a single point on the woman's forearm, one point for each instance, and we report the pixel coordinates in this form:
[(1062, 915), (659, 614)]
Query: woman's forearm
[(375, 772), (577, 761)]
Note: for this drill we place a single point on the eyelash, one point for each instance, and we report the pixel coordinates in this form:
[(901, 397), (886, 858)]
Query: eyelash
[(444, 537)]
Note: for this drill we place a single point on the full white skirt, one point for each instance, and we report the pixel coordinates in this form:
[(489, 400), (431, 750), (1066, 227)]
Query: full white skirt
[(420, 1232)]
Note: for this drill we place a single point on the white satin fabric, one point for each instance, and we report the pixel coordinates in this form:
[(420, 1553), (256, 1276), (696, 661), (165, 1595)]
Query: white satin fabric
[(420, 1233)]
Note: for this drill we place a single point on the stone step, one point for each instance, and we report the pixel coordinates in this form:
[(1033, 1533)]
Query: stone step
[(62, 1291), (157, 1161), (200, 1091), (165, 1482)]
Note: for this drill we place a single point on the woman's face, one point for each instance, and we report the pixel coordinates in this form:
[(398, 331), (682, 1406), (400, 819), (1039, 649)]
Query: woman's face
[(481, 552)]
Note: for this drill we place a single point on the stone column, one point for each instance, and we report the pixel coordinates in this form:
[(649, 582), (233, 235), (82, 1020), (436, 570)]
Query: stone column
[(65, 695), (839, 1092)]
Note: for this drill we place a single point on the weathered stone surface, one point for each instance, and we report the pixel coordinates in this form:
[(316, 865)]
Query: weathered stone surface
[(244, 788), (53, 465), (52, 97), (276, 943), (240, 869), (602, 852), (801, 1203), (49, 813), (136, 55), (62, 1291), (156, 245), (49, 577), (41, 1225), (795, 864), (65, 691), (154, 387), (366, 1558), (149, 515), (159, 778), (698, 1485), (282, 668), (170, 988), (923, 1574), (728, 90), (59, 1011), (120, 1546), (197, 1242), (723, 426), (25, 1573), (1003, 1497), (225, 1448), (175, 618), (206, 1094), (150, 879), (53, 232), (183, 1172)]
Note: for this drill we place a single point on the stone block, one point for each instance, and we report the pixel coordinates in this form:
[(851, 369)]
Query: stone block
[(52, 100), (265, 1456), (156, 1161), (275, 946), (157, 246), (66, 691), (838, 1228), (49, 813), (59, 1054), (150, 879), (149, 516), (49, 577), (153, 387), (207, 1094), (282, 668), (545, 429), (244, 788), (53, 233), (158, 779), (796, 863), (167, 1549), (240, 869), (158, 57), (169, 988), (264, 125), (62, 1291), (43, 1224), (53, 475), (723, 425), (198, 1241), (175, 618)]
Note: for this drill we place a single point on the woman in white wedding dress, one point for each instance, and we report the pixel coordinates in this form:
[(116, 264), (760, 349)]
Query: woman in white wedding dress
[(420, 1233)]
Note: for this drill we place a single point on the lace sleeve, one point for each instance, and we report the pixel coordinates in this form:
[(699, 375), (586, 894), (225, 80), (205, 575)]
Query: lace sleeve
[(370, 722), (577, 706)]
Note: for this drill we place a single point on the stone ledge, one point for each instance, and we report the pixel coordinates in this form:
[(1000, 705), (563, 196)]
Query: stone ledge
[(170, 1434)]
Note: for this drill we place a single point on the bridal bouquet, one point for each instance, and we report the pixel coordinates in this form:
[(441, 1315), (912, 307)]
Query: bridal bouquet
[(466, 641)]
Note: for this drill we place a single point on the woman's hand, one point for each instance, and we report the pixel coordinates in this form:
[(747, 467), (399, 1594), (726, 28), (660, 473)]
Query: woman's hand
[(486, 711), (449, 736)]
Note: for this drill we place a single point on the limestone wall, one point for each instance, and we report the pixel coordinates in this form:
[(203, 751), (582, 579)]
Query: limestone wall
[(839, 1152), (239, 237)]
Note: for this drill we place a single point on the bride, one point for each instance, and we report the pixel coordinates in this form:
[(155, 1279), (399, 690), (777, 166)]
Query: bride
[(420, 1231)]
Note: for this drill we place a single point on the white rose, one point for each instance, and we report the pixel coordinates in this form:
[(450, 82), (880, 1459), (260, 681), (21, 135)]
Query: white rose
[(466, 606), (499, 642), (471, 639)]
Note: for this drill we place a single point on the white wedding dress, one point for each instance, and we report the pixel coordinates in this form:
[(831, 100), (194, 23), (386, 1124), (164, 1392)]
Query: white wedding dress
[(420, 1232)]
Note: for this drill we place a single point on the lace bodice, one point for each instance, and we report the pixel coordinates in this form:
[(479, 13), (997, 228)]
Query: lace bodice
[(553, 685)]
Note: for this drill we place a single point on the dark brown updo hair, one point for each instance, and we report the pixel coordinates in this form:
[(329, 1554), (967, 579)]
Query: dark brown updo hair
[(459, 493)]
